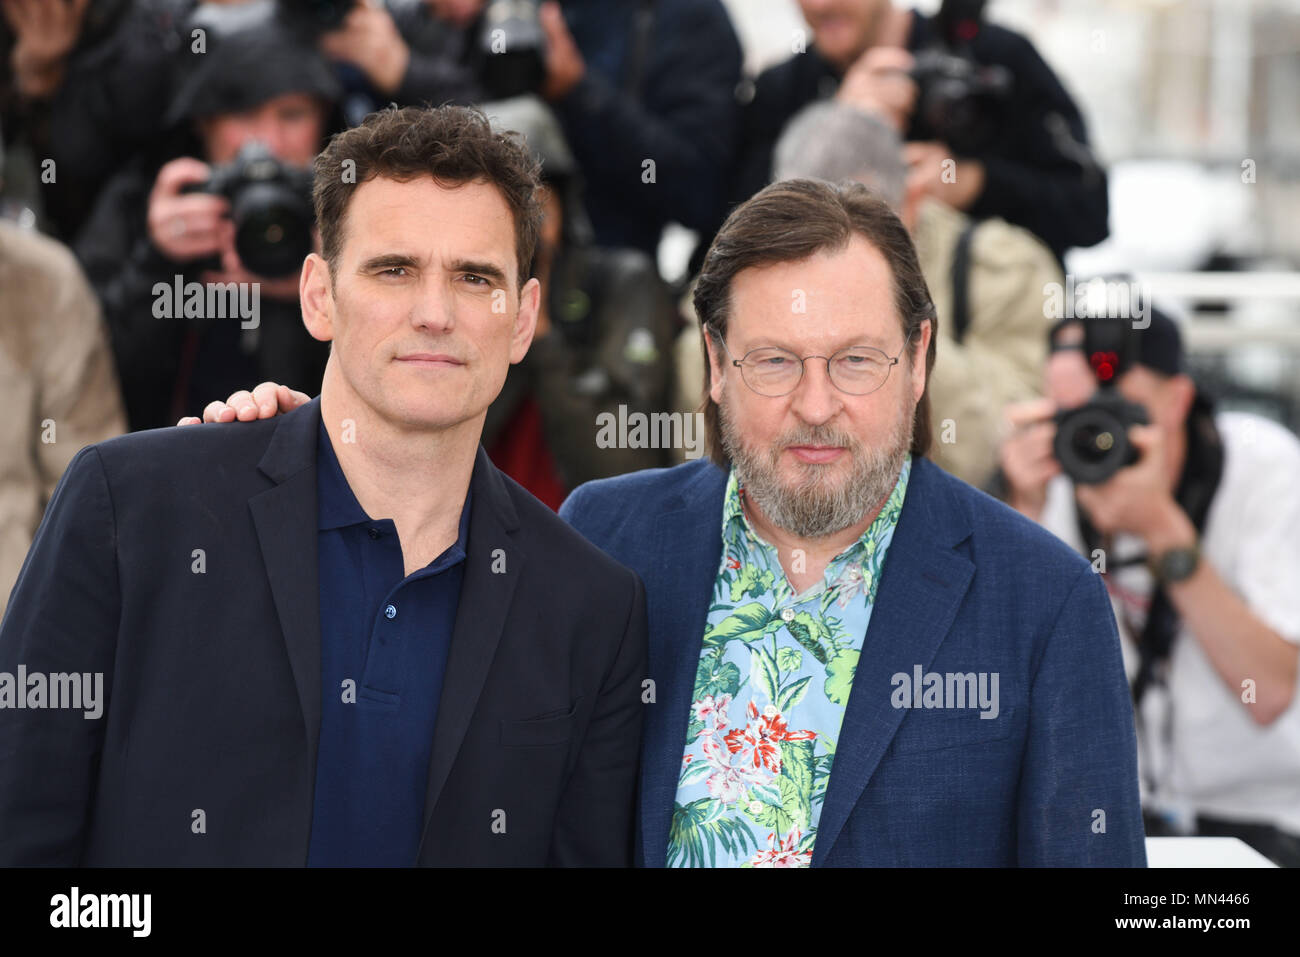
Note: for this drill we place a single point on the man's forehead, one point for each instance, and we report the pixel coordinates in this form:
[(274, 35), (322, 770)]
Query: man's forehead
[(425, 218), (831, 293)]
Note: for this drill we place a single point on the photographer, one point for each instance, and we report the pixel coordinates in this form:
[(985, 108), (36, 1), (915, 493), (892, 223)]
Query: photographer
[(1017, 139), (644, 91), (161, 230), (1198, 542)]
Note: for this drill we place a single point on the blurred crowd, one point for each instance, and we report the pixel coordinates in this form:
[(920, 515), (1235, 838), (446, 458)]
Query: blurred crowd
[(154, 149)]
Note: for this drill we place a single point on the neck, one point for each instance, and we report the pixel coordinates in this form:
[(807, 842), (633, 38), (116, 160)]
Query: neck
[(417, 477), (805, 559)]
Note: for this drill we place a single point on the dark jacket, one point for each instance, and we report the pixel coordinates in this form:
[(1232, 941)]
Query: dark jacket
[(968, 585), (1039, 174), (213, 681), (674, 105)]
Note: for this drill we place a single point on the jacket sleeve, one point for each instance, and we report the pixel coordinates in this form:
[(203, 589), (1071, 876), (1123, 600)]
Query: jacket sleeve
[(1078, 798), (596, 823), (1049, 181), (686, 123), (62, 619)]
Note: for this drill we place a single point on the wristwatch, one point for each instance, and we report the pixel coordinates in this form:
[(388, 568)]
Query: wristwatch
[(1175, 565)]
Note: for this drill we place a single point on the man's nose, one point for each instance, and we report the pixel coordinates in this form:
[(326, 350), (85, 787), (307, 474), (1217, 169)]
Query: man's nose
[(434, 311), (816, 399)]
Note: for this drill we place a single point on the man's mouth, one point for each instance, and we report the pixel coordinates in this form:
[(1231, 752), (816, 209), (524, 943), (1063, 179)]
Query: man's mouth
[(816, 454), (430, 360)]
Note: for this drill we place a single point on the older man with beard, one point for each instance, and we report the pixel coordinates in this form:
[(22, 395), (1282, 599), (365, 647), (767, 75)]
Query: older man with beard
[(855, 658)]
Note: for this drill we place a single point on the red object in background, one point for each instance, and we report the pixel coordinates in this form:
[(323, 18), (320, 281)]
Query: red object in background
[(521, 452)]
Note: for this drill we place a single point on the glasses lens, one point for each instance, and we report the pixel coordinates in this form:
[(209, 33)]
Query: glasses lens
[(772, 371), (859, 370)]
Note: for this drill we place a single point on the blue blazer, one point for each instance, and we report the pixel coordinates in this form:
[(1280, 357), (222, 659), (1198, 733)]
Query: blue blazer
[(969, 585)]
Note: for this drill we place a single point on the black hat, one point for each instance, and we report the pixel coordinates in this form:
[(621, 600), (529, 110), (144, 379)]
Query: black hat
[(251, 56)]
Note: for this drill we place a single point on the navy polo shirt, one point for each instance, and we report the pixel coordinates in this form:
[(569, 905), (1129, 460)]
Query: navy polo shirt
[(384, 641)]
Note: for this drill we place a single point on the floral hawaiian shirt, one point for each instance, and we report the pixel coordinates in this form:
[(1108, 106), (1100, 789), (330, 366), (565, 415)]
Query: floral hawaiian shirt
[(770, 691)]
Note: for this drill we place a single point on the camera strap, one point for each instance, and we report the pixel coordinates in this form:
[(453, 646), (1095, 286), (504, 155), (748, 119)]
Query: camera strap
[(961, 256)]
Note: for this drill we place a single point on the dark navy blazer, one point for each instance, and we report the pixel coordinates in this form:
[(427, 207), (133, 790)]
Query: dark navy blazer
[(969, 585)]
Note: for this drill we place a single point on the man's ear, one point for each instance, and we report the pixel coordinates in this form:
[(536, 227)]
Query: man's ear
[(920, 348), (316, 295), (530, 303), (1182, 393), (713, 356)]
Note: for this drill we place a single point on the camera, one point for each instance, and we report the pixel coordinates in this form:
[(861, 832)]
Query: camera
[(271, 207), (512, 46), (1092, 441), (958, 100)]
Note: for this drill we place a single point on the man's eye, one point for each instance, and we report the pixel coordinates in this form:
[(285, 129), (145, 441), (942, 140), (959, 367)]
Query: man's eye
[(773, 361), (394, 271), (477, 280)]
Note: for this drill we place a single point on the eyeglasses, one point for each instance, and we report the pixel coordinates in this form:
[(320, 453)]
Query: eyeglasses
[(773, 372)]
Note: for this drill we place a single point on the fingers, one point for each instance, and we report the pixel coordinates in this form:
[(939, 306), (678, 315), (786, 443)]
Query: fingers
[(290, 399), (218, 412), (1021, 414), (266, 398), (188, 420)]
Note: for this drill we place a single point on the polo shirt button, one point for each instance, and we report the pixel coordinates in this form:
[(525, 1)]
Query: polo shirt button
[(374, 533), (787, 614), (390, 611)]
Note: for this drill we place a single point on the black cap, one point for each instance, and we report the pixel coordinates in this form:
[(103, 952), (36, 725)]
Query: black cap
[(251, 56)]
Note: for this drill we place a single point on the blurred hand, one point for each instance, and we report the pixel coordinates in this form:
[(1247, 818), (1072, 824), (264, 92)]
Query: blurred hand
[(564, 63), (1026, 455), (45, 32), (878, 82), (369, 40), (188, 226), (264, 402), (958, 185)]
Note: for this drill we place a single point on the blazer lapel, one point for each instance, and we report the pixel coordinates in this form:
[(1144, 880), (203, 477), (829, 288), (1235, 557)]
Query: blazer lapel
[(485, 597), (921, 588), (687, 547), (285, 518)]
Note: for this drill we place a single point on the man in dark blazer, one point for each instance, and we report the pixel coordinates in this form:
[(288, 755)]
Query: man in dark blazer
[(340, 636), (1043, 772)]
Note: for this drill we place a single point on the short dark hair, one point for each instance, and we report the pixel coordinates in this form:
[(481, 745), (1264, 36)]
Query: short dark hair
[(453, 144), (791, 220)]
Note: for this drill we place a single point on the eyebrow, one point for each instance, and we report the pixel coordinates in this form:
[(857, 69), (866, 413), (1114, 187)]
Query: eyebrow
[(482, 268), (388, 261)]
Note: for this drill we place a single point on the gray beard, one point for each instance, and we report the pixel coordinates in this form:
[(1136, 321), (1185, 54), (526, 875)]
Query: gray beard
[(816, 507)]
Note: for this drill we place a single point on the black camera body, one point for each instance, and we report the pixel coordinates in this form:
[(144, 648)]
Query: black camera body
[(512, 47), (959, 100), (1092, 442), (271, 207)]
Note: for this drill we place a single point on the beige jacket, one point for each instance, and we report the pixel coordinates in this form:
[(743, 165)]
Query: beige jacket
[(1001, 357), (57, 385)]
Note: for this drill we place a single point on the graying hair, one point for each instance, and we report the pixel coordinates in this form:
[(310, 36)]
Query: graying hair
[(833, 141)]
